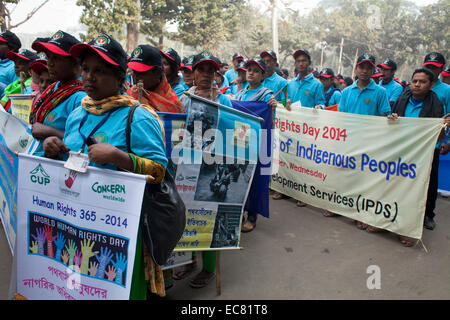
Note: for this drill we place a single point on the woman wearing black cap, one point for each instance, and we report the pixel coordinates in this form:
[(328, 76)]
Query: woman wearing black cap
[(171, 62), (205, 66), (103, 117), (50, 112)]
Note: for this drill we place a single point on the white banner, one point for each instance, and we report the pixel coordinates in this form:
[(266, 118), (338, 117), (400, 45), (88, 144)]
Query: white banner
[(76, 236), (367, 168)]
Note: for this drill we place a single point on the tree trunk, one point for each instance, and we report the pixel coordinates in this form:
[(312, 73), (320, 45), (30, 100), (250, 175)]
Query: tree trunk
[(2, 16), (133, 27)]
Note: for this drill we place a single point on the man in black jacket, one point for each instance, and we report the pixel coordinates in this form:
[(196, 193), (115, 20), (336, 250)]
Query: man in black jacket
[(419, 101)]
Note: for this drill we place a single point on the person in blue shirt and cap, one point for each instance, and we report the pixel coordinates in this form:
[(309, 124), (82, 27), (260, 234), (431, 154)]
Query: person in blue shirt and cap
[(305, 87), (171, 62), (272, 79), (232, 73), (8, 42), (366, 98), (241, 80), (435, 62), (445, 75), (332, 94), (393, 88), (222, 83)]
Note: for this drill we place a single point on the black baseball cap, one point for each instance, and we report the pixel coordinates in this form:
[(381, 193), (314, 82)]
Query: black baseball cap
[(241, 66), (172, 55), (326, 73), (435, 59), (300, 52), (258, 61), (187, 63), (446, 72), (144, 58), (23, 54), (237, 56), (269, 53), (106, 47), (366, 57), (40, 64), (60, 43), (388, 64), (11, 39), (206, 56), (377, 73)]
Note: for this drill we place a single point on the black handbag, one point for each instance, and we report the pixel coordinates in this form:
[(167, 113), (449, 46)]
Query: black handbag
[(163, 213)]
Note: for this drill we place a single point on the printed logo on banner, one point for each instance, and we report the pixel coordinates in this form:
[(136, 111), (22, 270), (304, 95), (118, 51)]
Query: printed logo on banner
[(39, 176), (241, 136), (68, 183), (112, 192), (23, 142)]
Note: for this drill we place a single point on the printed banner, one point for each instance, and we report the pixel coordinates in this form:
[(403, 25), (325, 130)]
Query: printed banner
[(367, 168), (21, 106), (76, 234), (15, 137), (214, 173)]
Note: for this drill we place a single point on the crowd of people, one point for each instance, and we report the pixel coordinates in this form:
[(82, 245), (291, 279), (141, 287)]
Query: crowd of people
[(83, 91)]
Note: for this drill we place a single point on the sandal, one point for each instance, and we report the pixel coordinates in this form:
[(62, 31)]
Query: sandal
[(329, 214), (361, 225), (301, 204), (278, 196), (407, 242), (248, 226), (183, 271), (202, 279), (374, 229)]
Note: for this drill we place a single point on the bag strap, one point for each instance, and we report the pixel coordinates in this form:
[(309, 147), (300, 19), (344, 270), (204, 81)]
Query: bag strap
[(128, 128)]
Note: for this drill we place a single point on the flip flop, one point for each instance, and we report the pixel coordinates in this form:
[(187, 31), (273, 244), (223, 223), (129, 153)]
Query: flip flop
[(329, 214), (202, 279), (360, 225), (183, 271), (278, 196), (374, 229), (301, 204), (407, 242), (245, 229)]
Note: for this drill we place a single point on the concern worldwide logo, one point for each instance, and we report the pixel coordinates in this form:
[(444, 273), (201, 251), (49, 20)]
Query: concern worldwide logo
[(39, 176)]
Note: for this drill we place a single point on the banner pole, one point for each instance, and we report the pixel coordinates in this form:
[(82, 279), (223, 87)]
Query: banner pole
[(218, 275)]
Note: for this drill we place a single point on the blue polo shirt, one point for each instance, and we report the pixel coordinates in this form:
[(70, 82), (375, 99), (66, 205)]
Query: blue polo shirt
[(231, 75), (393, 89), (276, 83), (146, 139), (234, 88), (309, 91), (247, 94), (335, 98), (413, 108), (57, 118), (372, 100), (7, 73), (442, 90)]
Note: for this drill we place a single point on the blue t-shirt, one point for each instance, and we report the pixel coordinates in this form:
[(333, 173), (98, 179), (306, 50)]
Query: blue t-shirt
[(57, 118), (335, 98), (372, 100), (442, 90), (146, 139), (413, 108), (7, 73), (393, 89), (309, 91), (180, 89), (223, 99), (247, 94), (276, 83), (234, 88)]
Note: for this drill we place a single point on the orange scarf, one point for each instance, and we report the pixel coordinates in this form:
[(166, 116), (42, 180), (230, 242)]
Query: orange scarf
[(162, 99)]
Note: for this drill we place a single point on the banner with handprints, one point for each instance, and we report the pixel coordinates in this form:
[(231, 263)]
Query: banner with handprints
[(76, 233)]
